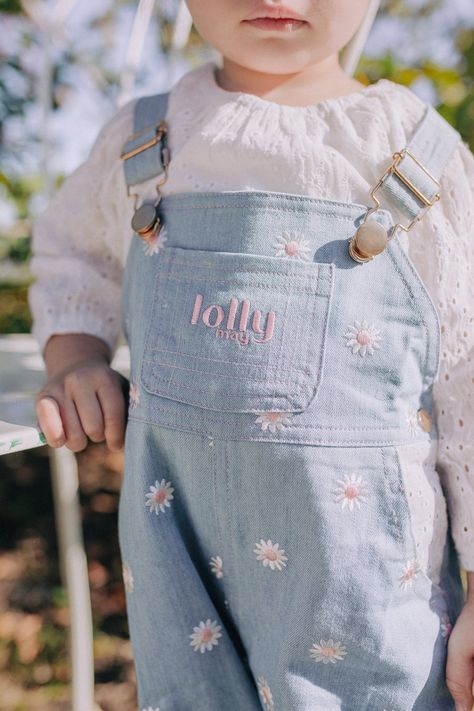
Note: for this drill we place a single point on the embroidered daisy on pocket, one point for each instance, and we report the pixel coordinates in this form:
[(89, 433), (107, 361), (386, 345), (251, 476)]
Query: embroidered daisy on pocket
[(328, 651), (159, 496), (273, 421), (265, 693), (362, 338), (205, 636), (293, 245), (154, 244), (271, 555), (351, 491)]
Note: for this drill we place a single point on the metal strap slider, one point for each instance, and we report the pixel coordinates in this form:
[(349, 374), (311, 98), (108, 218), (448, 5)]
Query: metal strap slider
[(160, 131), (394, 169)]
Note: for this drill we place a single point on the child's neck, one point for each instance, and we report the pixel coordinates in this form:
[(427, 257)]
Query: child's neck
[(323, 80)]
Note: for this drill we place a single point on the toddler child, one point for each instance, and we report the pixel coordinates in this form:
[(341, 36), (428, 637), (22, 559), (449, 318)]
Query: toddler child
[(298, 491)]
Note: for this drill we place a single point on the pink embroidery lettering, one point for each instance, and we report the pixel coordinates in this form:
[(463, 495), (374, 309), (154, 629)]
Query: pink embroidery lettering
[(241, 336), (232, 312), (244, 315), (270, 324), (207, 315), (213, 316), (197, 308)]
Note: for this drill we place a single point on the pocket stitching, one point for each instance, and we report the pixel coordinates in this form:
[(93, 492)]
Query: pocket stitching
[(322, 286), (408, 519)]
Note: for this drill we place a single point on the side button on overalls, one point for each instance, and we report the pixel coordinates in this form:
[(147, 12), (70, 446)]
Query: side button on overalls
[(277, 385)]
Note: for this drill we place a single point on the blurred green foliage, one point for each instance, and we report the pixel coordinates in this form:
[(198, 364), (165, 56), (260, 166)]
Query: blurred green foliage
[(454, 87), (15, 316), (10, 6)]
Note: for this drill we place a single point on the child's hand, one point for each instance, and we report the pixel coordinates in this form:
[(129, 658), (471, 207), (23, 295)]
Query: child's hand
[(460, 664), (84, 398)]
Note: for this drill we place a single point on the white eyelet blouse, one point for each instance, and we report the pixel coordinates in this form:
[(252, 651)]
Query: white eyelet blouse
[(335, 149)]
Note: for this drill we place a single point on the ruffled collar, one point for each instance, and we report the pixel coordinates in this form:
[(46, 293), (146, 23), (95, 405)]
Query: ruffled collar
[(204, 79)]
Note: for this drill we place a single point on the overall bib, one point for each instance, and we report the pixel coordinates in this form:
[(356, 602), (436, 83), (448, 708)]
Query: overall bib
[(276, 388)]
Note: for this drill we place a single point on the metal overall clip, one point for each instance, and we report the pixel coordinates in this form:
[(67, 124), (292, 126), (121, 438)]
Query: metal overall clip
[(145, 221), (371, 237)]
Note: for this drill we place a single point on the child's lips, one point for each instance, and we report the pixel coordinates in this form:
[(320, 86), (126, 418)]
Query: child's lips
[(280, 24)]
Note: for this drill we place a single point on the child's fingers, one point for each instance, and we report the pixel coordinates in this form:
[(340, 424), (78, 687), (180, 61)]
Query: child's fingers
[(459, 677), (112, 402), (49, 420), (90, 413)]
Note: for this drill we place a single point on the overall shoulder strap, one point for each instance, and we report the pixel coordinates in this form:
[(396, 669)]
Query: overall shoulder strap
[(143, 152), (412, 181)]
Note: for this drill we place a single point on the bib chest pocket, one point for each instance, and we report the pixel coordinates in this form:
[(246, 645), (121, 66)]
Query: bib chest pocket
[(237, 332)]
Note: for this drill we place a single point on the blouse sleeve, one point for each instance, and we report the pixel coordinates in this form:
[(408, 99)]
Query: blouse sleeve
[(77, 251), (448, 272)]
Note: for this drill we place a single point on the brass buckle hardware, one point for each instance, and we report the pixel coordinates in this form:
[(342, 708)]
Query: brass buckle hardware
[(371, 238), (160, 132), (393, 170), (146, 221)]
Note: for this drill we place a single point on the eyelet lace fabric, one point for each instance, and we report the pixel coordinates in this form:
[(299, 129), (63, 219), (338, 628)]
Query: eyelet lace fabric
[(336, 149)]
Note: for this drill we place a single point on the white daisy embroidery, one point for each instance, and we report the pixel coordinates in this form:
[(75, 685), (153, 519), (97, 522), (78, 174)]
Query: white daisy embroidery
[(362, 338), (328, 651), (150, 708), (292, 244), (134, 396), (216, 566), (351, 490), (265, 693), (127, 577), (411, 421), (273, 421), (271, 555), (159, 496), (446, 626), (409, 574), (205, 636), (154, 244)]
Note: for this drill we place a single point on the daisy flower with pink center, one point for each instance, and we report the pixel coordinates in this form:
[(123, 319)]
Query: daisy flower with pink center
[(293, 245), (409, 574), (134, 396), (216, 566), (351, 490), (265, 693), (362, 338), (154, 244), (160, 496), (328, 651), (205, 636), (271, 555), (273, 421), (127, 577)]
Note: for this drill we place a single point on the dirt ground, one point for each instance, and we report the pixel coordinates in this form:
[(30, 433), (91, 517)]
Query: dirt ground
[(34, 673)]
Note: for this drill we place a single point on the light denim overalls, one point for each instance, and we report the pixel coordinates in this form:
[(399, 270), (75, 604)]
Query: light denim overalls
[(268, 554)]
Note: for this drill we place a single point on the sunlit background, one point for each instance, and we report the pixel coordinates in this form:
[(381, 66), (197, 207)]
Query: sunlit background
[(59, 81)]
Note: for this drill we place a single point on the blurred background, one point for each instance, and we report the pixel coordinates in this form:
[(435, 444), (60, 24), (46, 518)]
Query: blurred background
[(61, 77)]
